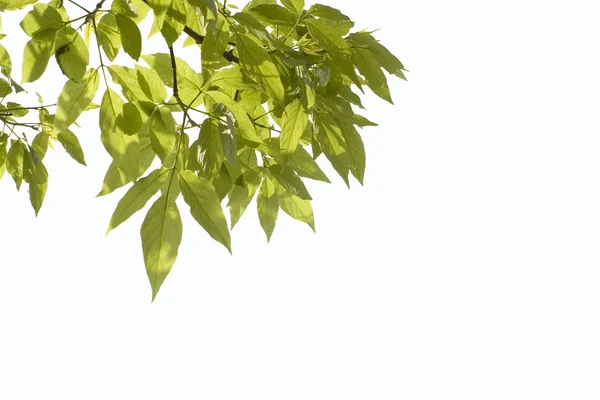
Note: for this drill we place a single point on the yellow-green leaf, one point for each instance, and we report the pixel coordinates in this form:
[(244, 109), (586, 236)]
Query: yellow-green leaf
[(205, 206), (38, 186), (161, 234), (131, 38), (257, 64), (247, 129), (109, 36), (267, 204), (137, 197), (74, 98), (72, 53), (295, 119), (36, 55), (72, 146)]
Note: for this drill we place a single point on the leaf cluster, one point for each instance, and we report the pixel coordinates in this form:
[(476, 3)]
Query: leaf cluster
[(278, 86)]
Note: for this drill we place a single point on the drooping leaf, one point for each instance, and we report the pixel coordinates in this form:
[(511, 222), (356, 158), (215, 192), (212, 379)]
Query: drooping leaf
[(211, 154), (161, 234), (296, 208), (242, 193), (163, 133), (37, 186), (74, 98), (137, 197), (268, 206), (72, 146), (290, 181), (36, 55), (114, 179), (205, 206), (370, 69), (131, 38), (5, 62), (15, 160), (295, 119)]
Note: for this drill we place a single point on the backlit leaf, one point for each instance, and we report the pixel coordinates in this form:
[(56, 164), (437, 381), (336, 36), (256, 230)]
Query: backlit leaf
[(161, 234)]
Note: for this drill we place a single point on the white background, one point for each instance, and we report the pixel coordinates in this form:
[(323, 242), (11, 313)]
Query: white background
[(466, 268)]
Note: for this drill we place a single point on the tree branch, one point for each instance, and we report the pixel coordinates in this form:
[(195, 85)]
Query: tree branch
[(199, 39)]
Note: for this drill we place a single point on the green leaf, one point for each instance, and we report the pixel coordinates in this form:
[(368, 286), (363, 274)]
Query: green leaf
[(137, 197), (161, 236), (208, 7), (7, 5), (5, 62), (72, 53), (327, 37), (369, 68), (160, 8), (109, 36), (39, 146), (130, 36), (41, 20), (15, 160), (188, 82), (294, 5), (74, 98), (3, 145), (333, 144), (242, 193), (5, 88), (36, 55), (290, 181), (296, 208), (151, 84), (38, 186), (257, 64), (211, 154), (129, 152), (246, 127), (125, 8), (131, 83), (163, 132), (295, 120), (268, 206), (205, 206), (213, 46), (114, 179), (275, 14), (327, 12), (356, 152), (72, 146)]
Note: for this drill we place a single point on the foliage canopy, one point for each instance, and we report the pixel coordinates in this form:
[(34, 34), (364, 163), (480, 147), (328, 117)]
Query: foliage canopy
[(276, 89)]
